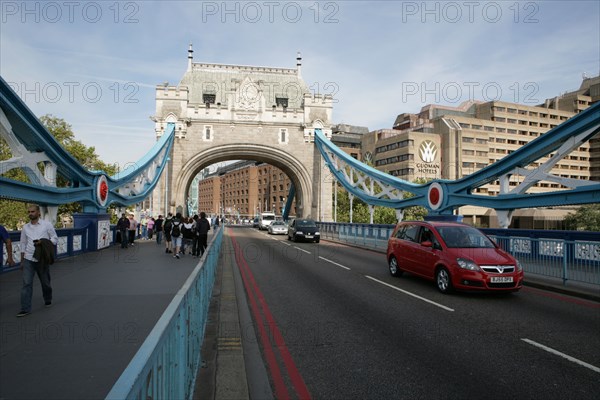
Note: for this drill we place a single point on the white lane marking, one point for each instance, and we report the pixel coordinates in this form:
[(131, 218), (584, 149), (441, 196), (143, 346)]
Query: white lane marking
[(563, 355), (334, 263), (411, 294), (284, 242), (308, 252)]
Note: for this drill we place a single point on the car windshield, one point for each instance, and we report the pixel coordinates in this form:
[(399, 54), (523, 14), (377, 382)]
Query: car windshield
[(277, 223), (268, 217), (306, 224), (464, 237)]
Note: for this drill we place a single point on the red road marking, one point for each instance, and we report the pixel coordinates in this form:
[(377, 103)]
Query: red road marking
[(557, 296), (253, 290)]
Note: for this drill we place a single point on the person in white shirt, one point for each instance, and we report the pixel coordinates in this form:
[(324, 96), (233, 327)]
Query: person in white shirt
[(31, 234)]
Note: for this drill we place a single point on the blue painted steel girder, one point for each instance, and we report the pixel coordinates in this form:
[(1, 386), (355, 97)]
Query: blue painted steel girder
[(289, 201), (87, 194), (457, 193), (34, 136), (587, 120), (142, 177)]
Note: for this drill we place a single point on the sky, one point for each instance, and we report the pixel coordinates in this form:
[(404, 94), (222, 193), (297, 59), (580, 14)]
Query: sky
[(96, 63)]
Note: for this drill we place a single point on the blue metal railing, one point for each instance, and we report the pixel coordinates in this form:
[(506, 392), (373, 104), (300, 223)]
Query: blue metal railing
[(371, 236), (567, 260), (565, 255), (166, 365), (71, 242)]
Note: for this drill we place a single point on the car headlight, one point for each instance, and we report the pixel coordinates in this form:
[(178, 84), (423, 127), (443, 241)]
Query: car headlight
[(317, 233), (299, 233), (467, 264), (519, 266)]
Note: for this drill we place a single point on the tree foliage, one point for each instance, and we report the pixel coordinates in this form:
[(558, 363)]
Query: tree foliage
[(586, 218), (11, 212), (381, 215)]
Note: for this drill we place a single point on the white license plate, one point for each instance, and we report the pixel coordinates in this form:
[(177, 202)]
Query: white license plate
[(501, 279), (308, 235)]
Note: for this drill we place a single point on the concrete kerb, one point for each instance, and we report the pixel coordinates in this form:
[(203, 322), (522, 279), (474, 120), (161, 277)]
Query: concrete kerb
[(223, 371)]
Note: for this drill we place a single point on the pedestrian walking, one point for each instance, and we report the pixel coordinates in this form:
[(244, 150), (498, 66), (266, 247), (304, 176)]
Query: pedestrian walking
[(167, 230), (38, 239), (151, 223), (144, 225), (202, 228), (195, 242), (158, 228), (123, 228), (188, 235), (5, 238), (133, 225), (176, 235)]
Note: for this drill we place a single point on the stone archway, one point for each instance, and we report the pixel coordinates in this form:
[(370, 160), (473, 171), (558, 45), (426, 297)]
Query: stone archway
[(293, 168)]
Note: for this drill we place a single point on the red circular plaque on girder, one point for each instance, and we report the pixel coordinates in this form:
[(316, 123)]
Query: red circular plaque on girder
[(435, 196), (102, 190)]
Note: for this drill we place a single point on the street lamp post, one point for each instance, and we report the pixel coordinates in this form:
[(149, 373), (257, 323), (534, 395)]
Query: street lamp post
[(167, 186)]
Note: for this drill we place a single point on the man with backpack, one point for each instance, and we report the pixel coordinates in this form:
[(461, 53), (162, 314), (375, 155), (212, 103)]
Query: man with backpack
[(202, 228), (176, 226)]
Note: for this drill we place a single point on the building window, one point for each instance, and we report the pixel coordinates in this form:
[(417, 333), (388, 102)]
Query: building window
[(283, 136), (209, 98), (208, 133), (281, 102)]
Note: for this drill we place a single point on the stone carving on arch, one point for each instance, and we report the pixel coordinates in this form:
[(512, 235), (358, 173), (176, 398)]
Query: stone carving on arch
[(180, 127), (249, 96), (309, 132)]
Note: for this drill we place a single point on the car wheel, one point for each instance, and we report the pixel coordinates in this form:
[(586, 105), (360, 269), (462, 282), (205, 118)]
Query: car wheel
[(443, 281), (288, 237), (317, 240), (394, 268)]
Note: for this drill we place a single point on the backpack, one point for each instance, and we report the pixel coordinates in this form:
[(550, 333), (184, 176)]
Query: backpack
[(167, 225), (176, 231)]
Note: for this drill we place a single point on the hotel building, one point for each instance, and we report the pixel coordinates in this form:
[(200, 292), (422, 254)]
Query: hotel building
[(451, 142)]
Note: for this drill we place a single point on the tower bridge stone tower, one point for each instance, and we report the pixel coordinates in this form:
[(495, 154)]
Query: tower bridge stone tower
[(234, 112)]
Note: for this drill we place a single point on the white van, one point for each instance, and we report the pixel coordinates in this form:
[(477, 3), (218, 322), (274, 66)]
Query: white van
[(265, 219)]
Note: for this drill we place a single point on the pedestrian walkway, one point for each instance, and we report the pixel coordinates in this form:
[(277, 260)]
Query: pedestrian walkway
[(105, 304)]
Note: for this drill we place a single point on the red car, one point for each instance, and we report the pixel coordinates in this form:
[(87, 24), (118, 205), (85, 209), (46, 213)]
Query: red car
[(455, 256)]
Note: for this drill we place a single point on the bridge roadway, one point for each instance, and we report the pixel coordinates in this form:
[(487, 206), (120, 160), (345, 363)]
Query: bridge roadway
[(106, 303)]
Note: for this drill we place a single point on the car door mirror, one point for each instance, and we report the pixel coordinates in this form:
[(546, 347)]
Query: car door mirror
[(427, 243)]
